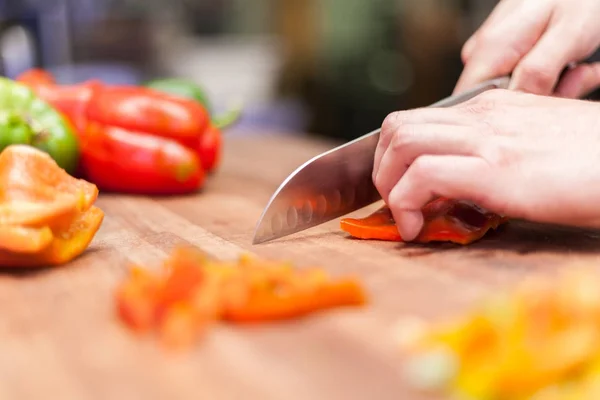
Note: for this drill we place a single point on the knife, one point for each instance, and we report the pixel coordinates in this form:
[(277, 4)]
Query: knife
[(335, 183)]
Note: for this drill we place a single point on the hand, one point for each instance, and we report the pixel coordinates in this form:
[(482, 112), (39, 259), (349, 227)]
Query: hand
[(516, 154), (536, 40)]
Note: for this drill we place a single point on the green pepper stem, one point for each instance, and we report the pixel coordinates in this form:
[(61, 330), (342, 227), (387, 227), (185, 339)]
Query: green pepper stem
[(228, 118)]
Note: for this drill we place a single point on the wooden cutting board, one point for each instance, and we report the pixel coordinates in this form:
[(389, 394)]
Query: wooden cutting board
[(59, 335)]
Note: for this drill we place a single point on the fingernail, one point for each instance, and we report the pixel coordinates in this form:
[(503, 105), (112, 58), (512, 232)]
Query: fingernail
[(410, 224)]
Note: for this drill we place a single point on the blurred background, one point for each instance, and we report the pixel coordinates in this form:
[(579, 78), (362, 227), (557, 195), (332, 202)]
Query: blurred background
[(333, 68)]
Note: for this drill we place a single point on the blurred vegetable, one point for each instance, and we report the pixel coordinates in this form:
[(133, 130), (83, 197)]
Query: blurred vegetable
[(195, 291), (147, 110), (166, 143), (26, 119), (122, 160), (190, 90), (541, 341), (47, 217), (445, 221), (182, 88)]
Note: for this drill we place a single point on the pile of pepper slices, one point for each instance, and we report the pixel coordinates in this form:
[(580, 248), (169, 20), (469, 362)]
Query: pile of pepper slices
[(193, 291), (156, 140)]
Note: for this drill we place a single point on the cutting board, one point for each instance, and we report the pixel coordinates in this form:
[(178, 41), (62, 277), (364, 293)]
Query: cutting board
[(59, 333)]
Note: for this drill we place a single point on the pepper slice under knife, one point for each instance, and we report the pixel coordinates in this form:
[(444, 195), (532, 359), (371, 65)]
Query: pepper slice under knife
[(446, 220)]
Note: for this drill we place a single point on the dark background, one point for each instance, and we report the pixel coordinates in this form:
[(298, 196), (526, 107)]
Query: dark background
[(329, 67)]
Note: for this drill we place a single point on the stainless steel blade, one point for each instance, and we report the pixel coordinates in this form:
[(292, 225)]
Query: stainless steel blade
[(334, 183)]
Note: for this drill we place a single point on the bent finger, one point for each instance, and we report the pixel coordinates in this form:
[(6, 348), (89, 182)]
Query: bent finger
[(501, 11), (414, 141), (539, 70), (427, 115), (501, 48), (430, 176), (579, 81)]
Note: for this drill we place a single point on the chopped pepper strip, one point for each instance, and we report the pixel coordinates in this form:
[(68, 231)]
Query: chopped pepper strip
[(266, 305), (539, 341), (47, 217), (195, 291), (446, 220)]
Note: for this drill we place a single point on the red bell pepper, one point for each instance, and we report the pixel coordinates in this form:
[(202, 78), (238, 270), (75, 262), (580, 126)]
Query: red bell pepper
[(445, 221), (134, 139), (120, 160), (148, 110)]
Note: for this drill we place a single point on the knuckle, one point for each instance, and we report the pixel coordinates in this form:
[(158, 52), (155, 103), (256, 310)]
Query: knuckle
[(423, 169), (492, 96), (490, 37), (500, 155), (480, 104), (538, 76), (378, 182), (396, 201), (402, 138), (391, 122)]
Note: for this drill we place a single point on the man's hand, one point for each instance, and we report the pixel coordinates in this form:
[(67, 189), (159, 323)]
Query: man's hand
[(521, 155), (535, 40)]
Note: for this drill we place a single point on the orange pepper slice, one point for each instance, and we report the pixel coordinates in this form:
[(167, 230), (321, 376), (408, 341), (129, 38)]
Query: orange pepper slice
[(445, 221)]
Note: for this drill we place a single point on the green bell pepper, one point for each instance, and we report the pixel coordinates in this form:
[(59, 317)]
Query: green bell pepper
[(26, 119)]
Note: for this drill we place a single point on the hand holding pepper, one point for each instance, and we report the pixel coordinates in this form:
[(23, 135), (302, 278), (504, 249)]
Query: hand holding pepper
[(515, 154)]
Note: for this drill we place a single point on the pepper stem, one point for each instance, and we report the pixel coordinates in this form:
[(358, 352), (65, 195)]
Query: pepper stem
[(229, 117)]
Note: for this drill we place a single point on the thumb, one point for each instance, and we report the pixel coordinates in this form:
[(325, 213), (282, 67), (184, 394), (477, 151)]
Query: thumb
[(430, 176), (579, 81)]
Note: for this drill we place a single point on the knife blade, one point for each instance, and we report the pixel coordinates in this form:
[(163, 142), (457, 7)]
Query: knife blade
[(336, 182)]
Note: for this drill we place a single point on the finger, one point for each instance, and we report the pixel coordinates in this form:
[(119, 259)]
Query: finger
[(502, 9), (430, 176), (467, 49), (413, 141), (499, 49), (394, 121), (579, 81), (539, 70)]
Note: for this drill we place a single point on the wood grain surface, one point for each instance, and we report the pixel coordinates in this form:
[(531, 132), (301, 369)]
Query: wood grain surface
[(60, 339)]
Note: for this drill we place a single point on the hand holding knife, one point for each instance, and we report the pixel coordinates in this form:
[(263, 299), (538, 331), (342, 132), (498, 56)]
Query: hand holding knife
[(336, 182)]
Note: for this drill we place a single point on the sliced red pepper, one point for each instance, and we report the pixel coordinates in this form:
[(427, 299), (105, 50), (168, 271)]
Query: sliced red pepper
[(147, 110), (445, 221), (120, 160)]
